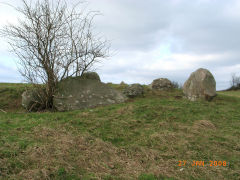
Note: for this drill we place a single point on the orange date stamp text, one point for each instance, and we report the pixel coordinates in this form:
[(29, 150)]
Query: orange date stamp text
[(202, 163)]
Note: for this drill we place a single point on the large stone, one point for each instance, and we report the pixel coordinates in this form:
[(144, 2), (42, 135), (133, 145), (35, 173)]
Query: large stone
[(161, 84), (134, 90), (200, 84), (32, 100), (77, 93)]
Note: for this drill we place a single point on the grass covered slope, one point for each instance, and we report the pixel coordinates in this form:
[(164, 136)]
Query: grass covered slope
[(10, 96), (142, 139)]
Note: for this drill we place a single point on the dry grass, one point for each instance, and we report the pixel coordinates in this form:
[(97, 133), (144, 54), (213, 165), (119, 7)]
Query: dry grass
[(63, 149), (126, 109), (204, 125), (59, 148)]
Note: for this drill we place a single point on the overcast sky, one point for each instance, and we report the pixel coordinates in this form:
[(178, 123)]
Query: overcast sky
[(157, 38)]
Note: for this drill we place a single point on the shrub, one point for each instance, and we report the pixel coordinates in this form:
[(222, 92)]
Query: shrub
[(234, 82), (176, 85)]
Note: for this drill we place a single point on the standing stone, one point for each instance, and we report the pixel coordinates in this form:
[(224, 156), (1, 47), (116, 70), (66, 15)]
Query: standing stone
[(200, 84), (134, 90), (161, 84)]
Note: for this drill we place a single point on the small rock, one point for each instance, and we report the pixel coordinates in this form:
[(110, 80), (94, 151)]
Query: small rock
[(161, 84), (134, 90)]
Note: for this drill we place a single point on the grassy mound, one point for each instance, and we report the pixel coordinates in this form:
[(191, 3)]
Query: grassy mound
[(10, 96), (145, 138)]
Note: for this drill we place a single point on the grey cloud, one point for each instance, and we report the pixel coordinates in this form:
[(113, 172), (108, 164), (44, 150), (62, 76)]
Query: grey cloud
[(132, 25), (207, 30), (201, 26)]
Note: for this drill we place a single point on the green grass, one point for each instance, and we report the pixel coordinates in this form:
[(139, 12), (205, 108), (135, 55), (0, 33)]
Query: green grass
[(144, 138), (231, 93)]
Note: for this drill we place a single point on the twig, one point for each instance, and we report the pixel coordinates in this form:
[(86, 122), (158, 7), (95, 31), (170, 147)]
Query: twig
[(3, 111)]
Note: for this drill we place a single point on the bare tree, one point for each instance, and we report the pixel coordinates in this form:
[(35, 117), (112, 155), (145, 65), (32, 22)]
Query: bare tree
[(53, 41), (235, 81)]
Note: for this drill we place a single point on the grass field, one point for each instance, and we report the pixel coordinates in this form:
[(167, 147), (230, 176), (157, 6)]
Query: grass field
[(230, 93), (143, 139)]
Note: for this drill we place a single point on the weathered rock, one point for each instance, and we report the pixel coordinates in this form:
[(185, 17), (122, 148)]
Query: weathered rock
[(32, 100), (161, 84), (91, 75), (134, 90), (200, 84), (77, 93)]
